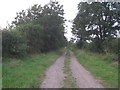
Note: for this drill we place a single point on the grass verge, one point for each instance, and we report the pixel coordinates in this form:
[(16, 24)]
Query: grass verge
[(101, 66), (69, 81), (27, 72)]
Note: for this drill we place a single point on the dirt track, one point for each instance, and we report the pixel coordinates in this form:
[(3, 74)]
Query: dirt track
[(54, 75), (84, 79)]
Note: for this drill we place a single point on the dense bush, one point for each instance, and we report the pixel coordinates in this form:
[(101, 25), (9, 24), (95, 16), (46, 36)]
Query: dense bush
[(80, 44), (37, 30), (13, 43), (108, 46), (33, 34), (97, 22), (111, 45), (89, 46), (42, 26)]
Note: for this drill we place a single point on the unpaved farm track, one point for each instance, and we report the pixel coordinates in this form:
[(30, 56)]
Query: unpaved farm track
[(54, 75), (83, 77)]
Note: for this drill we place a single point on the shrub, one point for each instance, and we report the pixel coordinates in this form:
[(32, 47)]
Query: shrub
[(13, 43), (92, 47), (111, 46)]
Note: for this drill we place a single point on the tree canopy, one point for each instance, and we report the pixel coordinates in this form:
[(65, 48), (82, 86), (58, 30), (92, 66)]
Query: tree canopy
[(41, 27), (96, 22)]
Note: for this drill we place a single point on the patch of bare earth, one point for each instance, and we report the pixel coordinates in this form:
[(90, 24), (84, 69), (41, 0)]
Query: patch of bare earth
[(84, 79), (54, 75), (115, 63)]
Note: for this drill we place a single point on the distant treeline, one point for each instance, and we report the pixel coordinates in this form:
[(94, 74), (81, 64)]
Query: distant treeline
[(96, 26), (41, 29), (35, 30)]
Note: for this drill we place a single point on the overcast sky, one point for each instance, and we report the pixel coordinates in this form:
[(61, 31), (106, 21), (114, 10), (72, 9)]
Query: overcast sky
[(8, 9)]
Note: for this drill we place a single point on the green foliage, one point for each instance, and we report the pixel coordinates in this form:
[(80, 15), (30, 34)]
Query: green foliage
[(80, 44), (108, 46), (27, 72), (92, 46), (101, 66), (97, 22), (111, 46), (33, 34), (69, 81), (43, 26), (40, 29), (13, 43)]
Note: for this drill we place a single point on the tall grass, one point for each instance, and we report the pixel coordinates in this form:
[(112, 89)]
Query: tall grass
[(101, 66), (69, 81), (27, 72)]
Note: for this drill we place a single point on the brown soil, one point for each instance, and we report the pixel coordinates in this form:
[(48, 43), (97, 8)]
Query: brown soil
[(115, 63), (84, 79), (54, 75)]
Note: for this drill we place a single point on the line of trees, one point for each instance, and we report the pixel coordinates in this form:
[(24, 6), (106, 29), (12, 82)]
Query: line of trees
[(35, 30), (96, 26)]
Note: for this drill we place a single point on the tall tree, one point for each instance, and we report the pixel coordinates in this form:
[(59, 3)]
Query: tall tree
[(97, 21), (44, 26)]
